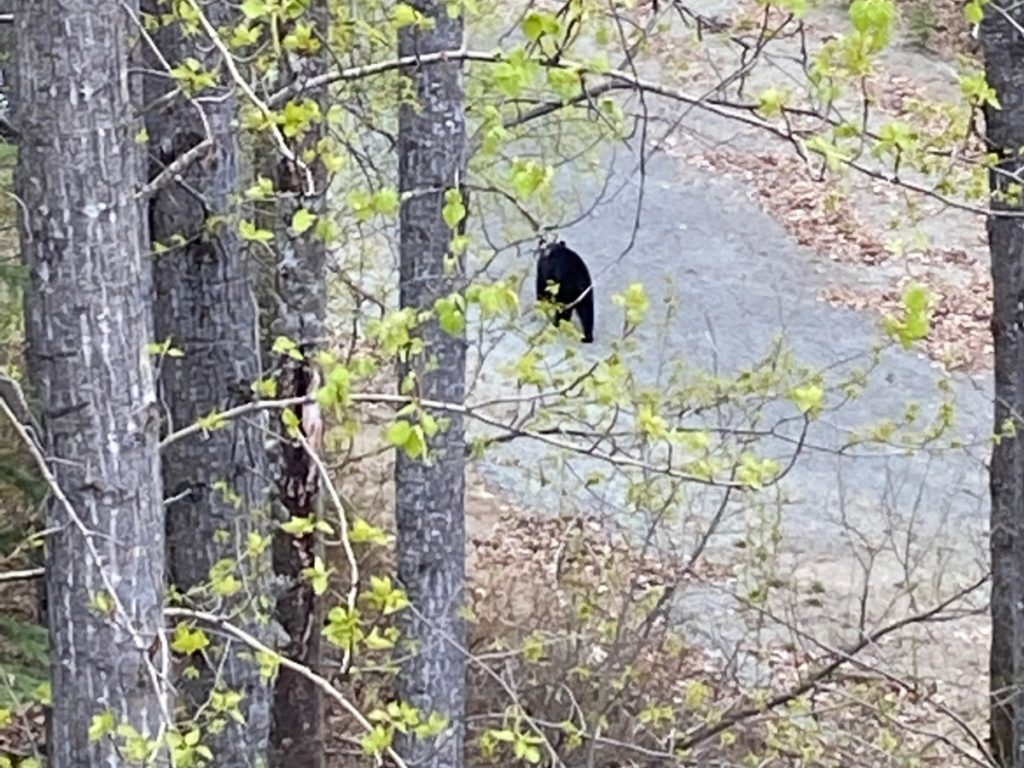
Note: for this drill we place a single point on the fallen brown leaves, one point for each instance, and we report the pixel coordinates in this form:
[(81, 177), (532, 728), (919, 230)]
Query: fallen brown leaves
[(527, 560), (820, 216), (568, 584), (938, 26), (959, 337), (784, 188)]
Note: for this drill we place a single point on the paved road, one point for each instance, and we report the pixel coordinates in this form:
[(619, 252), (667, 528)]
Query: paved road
[(740, 274)]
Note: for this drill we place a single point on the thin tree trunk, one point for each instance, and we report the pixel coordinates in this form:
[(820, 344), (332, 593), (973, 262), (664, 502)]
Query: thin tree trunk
[(7, 75), (87, 324), (297, 299), (429, 505), (1003, 47), (205, 307)]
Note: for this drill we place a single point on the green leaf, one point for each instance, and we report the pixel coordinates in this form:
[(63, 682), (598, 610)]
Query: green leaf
[(416, 445), (538, 23), (285, 346), (875, 20), (187, 641), (772, 102), (244, 35), (565, 82), (976, 89), (302, 39), (266, 388), (255, 9), (101, 725), (326, 230), (398, 433), (599, 63), (528, 177), (249, 231), (269, 663), (263, 189), (405, 15), (974, 11), (834, 156), (454, 210), (343, 627), (797, 7), (377, 741), (386, 202), (291, 422), (496, 299), (515, 73), (298, 117), (755, 473), (302, 220), (375, 641), (223, 581), (385, 596), (362, 532), (318, 575), (809, 399), (361, 203), (915, 322), (163, 349), (429, 424), (298, 526), (451, 314), (635, 302)]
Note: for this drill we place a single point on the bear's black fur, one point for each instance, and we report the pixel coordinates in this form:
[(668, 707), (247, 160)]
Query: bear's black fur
[(560, 264)]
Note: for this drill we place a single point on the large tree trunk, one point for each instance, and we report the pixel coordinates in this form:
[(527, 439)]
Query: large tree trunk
[(87, 325), (205, 307), (296, 296), (429, 504), (1003, 46)]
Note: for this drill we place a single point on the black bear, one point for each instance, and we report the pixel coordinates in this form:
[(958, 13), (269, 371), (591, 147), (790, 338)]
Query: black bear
[(560, 264)]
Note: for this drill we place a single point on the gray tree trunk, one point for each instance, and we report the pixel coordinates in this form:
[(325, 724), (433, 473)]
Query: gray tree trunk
[(1003, 46), (7, 77), (429, 504), (87, 325), (205, 306), (296, 296)]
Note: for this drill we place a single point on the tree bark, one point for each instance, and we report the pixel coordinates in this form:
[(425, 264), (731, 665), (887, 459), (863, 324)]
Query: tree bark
[(429, 505), (1003, 46), (205, 307), (296, 297), (87, 325), (8, 78)]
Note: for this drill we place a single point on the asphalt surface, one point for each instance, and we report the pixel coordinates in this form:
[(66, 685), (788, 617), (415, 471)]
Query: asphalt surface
[(882, 517), (741, 280)]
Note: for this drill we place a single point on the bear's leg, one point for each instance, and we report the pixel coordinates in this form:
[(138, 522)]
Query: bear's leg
[(585, 309)]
